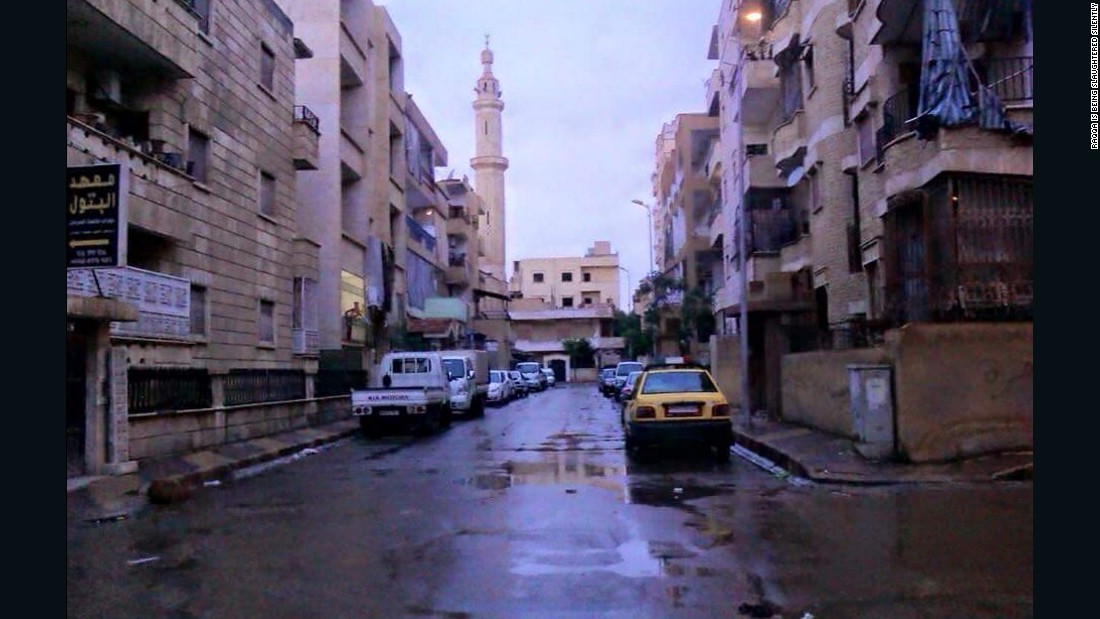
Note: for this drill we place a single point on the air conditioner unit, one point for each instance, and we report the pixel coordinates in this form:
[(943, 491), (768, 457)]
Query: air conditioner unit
[(108, 87)]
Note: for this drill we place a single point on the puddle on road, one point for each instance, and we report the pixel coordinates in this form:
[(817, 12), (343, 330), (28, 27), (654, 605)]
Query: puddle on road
[(668, 495), (569, 470)]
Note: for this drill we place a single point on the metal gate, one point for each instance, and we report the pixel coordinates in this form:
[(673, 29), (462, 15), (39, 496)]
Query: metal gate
[(75, 400)]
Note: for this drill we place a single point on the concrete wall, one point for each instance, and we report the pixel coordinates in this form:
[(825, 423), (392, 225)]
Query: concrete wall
[(962, 389), (815, 387), (725, 366), (157, 435)]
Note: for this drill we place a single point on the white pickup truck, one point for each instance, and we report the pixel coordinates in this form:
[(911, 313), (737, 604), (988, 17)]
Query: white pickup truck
[(410, 390)]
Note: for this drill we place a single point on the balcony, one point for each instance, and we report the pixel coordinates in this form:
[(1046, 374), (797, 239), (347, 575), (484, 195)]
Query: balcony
[(163, 301), (759, 172), (307, 134), (790, 137), (352, 158), (353, 60), (459, 225), (897, 111), (420, 234), (151, 38), (458, 271)]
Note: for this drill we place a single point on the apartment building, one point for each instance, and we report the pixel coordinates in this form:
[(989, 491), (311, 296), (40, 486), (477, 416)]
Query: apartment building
[(684, 207), (188, 112), (566, 282), (856, 200)]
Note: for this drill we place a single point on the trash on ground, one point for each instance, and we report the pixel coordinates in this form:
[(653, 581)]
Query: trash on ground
[(142, 560), (113, 518), (309, 451), (212, 482)]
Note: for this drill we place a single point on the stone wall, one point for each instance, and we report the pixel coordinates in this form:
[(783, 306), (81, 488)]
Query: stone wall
[(962, 389), (815, 387), (725, 366), (166, 434)]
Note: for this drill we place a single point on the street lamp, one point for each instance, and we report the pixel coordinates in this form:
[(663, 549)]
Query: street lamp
[(649, 212)]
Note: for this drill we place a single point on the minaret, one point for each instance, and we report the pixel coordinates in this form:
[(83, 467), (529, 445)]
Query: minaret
[(489, 165)]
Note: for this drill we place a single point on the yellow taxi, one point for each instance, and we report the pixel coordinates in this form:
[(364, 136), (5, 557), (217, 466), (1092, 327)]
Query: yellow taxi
[(677, 403)]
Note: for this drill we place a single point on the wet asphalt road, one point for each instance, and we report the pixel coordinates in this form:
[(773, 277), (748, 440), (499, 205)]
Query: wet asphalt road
[(534, 511)]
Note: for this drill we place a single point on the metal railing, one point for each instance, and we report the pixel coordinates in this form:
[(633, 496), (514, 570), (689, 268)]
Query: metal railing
[(1009, 77), (420, 234), (168, 389), (769, 230), (896, 111), (254, 386), (304, 115)]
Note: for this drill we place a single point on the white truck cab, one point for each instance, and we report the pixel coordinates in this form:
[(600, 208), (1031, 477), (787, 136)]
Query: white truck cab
[(409, 389)]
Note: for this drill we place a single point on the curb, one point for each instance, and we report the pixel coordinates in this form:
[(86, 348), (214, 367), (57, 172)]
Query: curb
[(177, 488), (780, 458)]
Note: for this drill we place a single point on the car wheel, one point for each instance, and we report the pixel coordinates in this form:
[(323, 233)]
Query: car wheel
[(722, 452)]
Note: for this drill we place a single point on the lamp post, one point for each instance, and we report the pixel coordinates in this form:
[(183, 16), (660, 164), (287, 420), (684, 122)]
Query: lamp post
[(649, 213)]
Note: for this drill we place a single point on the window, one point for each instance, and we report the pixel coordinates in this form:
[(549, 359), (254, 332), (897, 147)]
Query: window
[(198, 310), (756, 149), (790, 91), (866, 139), (537, 277), (567, 277), (267, 194), (198, 147), (567, 301), (395, 150), (202, 9), (267, 322), (586, 277), (267, 67), (588, 300), (815, 191), (808, 64), (395, 76)]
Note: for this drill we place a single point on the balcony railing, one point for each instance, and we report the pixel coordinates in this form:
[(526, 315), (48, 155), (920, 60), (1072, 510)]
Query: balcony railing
[(770, 230), (1010, 77), (419, 234), (304, 115), (896, 111), (163, 301)]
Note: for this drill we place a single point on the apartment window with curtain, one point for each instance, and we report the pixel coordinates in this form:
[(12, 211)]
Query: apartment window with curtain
[(267, 193), (198, 147), (267, 67), (267, 322)]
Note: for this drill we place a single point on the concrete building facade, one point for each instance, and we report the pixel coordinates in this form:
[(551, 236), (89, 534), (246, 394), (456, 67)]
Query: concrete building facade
[(566, 282), (194, 110), (864, 208)]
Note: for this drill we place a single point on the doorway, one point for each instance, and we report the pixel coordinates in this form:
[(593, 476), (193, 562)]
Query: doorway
[(558, 365), (76, 353)]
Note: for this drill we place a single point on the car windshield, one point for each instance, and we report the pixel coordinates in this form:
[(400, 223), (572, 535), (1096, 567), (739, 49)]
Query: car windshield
[(496, 376), (608, 373), (678, 382), (528, 368), (627, 368), (456, 368), (513, 374), (630, 380)]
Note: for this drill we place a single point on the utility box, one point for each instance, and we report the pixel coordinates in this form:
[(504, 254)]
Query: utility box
[(871, 389)]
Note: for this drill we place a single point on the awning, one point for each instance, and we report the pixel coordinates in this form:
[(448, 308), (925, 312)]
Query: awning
[(944, 89)]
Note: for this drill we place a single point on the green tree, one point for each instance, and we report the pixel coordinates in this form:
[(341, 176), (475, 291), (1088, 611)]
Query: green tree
[(580, 351), (696, 318), (639, 339)]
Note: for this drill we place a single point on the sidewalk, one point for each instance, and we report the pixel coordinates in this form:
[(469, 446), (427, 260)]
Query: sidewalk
[(827, 458), (801, 451)]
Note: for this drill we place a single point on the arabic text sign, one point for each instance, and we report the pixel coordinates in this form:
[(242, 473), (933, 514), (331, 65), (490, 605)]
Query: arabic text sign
[(95, 216)]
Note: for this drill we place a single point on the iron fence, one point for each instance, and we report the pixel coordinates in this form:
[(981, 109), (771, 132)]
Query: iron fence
[(168, 389), (304, 115), (1009, 77), (332, 382), (896, 110), (255, 386)]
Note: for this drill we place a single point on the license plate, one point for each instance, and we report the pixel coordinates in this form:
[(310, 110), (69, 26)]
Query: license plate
[(389, 412), (682, 410)]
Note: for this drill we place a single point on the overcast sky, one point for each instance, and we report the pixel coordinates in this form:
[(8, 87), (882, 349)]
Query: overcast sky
[(586, 86)]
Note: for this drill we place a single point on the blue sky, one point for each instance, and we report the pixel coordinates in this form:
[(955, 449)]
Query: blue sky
[(586, 84)]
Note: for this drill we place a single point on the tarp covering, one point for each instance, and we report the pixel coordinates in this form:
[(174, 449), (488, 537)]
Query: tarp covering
[(946, 99), (944, 91)]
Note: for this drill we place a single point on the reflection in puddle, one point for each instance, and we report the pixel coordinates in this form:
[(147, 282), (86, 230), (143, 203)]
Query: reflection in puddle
[(566, 469), (632, 559)]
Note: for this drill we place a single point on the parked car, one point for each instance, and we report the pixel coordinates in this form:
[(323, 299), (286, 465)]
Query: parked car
[(532, 375), (622, 394), (520, 389), (500, 387), (410, 390), (603, 383), (677, 404), (622, 370), (551, 379)]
